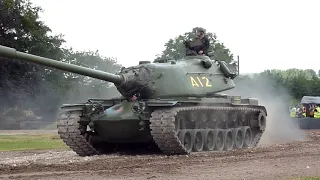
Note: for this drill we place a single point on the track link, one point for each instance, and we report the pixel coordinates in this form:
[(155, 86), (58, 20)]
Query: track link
[(74, 134), (166, 134)]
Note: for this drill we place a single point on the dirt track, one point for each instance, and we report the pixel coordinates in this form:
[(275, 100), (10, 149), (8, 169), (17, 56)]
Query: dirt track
[(274, 162)]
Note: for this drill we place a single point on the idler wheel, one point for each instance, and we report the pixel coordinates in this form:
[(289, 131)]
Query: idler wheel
[(228, 139), (219, 145), (238, 138), (247, 136), (185, 137), (262, 121), (209, 140), (197, 140)]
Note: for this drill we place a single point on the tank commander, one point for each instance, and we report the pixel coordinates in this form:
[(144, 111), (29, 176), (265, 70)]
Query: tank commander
[(199, 45)]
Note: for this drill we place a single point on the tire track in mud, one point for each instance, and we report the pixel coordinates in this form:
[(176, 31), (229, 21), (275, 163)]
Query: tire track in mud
[(277, 161), (162, 167)]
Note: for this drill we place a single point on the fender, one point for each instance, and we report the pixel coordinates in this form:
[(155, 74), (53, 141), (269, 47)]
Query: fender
[(160, 103), (72, 107)]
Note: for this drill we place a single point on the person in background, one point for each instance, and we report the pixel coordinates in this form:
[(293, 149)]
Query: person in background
[(311, 110), (304, 111), (293, 112), (316, 112), (299, 111)]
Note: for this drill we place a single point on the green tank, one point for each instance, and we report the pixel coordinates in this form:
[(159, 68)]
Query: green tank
[(173, 106)]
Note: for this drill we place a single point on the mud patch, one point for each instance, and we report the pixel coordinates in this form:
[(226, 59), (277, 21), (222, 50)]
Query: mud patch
[(277, 161)]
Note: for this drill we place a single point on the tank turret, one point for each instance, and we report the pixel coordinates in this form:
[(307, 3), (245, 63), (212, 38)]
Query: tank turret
[(169, 105), (197, 76)]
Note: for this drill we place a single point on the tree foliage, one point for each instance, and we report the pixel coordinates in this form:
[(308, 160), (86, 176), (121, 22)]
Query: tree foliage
[(26, 85), (21, 29), (296, 82)]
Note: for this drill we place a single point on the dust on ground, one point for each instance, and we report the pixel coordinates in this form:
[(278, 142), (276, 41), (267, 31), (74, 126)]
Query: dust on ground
[(278, 161)]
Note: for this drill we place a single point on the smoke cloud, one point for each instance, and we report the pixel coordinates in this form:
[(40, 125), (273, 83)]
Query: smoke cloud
[(280, 127)]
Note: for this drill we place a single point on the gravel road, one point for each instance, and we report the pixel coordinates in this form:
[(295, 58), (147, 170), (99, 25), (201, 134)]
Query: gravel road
[(277, 161)]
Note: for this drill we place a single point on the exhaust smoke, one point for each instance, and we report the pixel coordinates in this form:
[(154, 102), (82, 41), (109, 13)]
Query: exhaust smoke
[(280, 127)]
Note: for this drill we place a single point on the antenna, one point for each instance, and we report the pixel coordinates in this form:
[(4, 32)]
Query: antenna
[(238, 65)]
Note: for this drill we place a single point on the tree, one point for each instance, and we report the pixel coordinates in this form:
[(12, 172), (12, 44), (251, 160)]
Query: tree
[(21, 29), (175, 49), (38, 87), (84, 87), (295, 82)]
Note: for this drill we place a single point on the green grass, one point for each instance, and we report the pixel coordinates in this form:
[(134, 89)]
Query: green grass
[(30, 142), (52, 126), (307, 178)]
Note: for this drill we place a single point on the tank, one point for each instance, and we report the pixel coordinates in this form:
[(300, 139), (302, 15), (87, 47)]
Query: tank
[(172, 107)]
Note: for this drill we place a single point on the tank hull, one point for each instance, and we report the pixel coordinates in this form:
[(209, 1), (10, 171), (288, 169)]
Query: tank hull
[(171, 126), (126, 131), (119, 124)]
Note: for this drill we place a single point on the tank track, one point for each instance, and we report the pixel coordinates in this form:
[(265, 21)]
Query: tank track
[(168, 132), (74, 134)]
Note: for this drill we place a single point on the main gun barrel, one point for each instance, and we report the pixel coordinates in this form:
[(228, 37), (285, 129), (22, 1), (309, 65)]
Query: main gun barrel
[(13, 53)]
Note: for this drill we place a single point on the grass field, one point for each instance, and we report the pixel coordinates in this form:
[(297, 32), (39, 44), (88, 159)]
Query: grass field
[(308, 178), (51, 126), (31, 142)]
